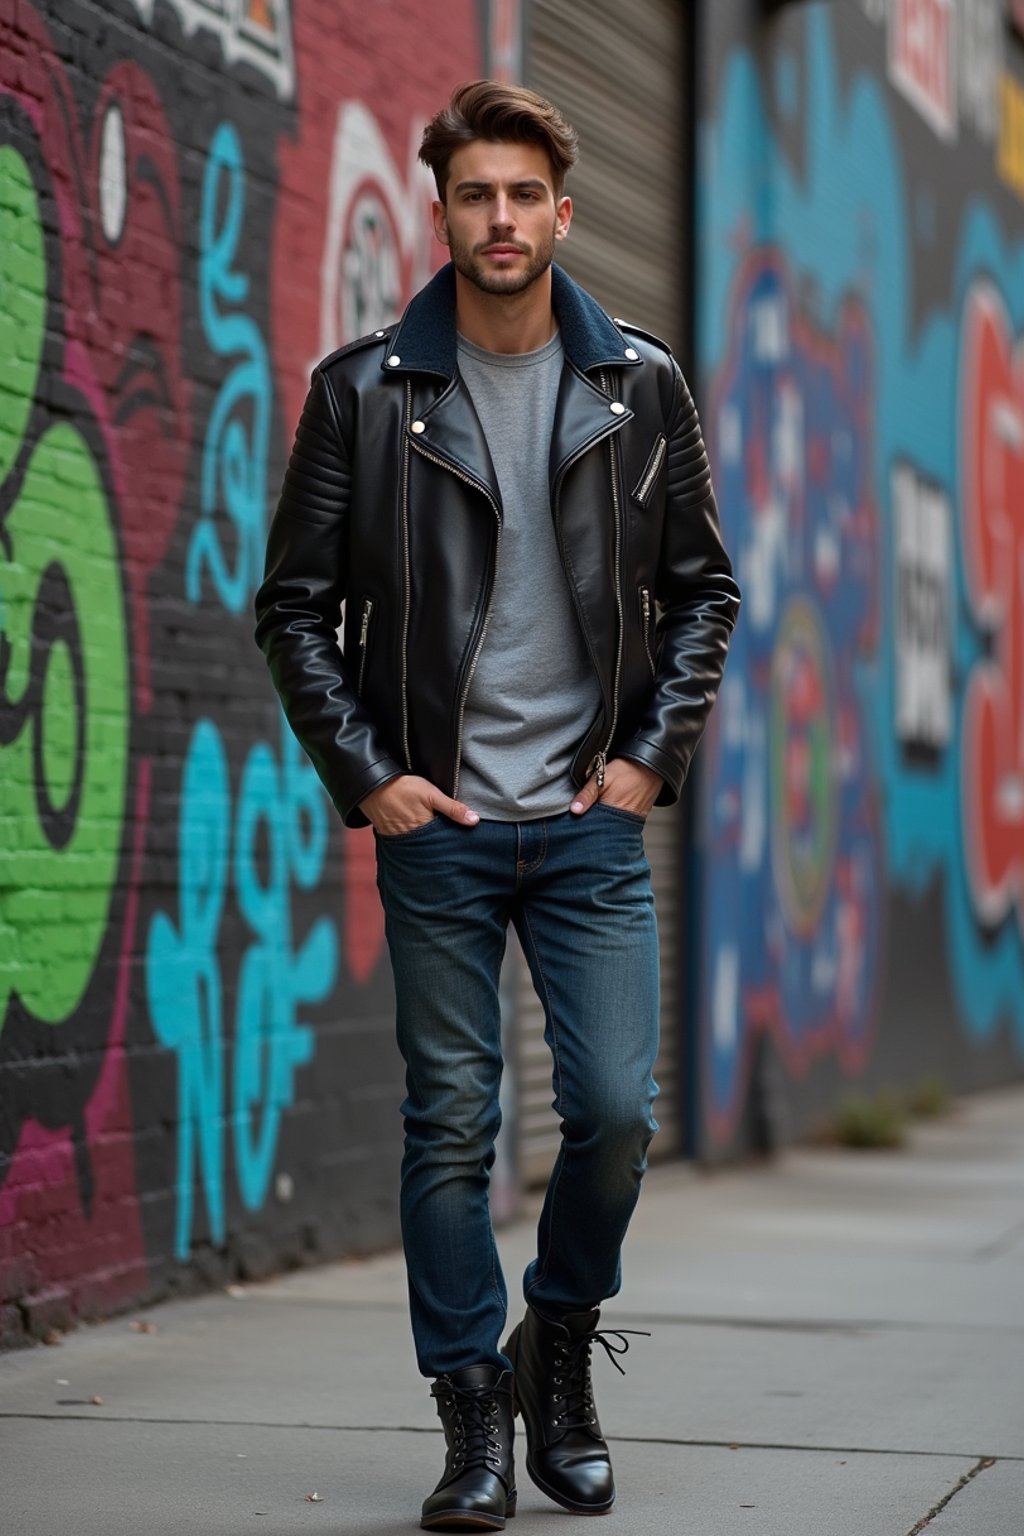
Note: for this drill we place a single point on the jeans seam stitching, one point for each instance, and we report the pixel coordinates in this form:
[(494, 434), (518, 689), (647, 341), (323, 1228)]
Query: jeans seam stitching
[(542, 1265), (529, 869)]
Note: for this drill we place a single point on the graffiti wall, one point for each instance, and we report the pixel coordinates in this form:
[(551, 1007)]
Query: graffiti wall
[(861, 341), (197, 201)]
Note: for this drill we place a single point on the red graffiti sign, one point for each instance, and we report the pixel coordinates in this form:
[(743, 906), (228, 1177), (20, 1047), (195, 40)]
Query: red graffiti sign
[(921, 59), (992, 481)]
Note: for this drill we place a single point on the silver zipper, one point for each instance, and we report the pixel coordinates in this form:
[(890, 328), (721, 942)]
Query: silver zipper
[(477, 485), (602, 756), (644, 488), (364, 631), (597, 763), (645, 608), (407, 576)]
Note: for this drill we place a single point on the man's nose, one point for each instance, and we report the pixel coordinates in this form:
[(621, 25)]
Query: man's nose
[(501, 216)]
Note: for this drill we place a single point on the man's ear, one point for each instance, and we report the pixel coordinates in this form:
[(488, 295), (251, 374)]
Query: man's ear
[(563, 217), (440, 219)]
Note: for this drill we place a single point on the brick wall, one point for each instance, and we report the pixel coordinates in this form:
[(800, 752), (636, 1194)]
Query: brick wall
[(197, 1075)]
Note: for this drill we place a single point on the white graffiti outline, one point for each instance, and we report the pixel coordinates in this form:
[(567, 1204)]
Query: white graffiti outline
[(360, 157), (243, 40)]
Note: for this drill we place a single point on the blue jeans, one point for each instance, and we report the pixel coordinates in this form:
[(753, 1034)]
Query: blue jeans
[(578, 891)]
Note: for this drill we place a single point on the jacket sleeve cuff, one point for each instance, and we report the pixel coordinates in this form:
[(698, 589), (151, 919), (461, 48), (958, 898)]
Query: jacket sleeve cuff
[(649, 756), (381, 772)]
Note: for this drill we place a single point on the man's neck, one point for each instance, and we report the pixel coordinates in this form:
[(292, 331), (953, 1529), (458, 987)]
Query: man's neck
[(507, 323)]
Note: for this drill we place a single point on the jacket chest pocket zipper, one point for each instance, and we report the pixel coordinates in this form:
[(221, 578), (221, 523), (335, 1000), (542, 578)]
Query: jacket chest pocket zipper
[(364, 641), (652, 470), (645, 625)]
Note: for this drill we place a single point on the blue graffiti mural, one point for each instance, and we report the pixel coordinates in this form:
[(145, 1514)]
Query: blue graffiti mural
[(838, 227), (791, 824), (234, 465), (183, 980), (280, 797), (257, 845)]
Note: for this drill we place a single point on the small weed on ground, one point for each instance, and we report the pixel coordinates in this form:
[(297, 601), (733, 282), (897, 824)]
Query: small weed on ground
[(871, 1120), (930, 1099)]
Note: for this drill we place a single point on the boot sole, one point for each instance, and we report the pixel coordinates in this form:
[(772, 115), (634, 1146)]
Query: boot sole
[(464, 1520)]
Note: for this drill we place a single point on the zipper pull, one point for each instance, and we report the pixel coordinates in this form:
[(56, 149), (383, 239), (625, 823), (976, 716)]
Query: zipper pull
[(364, 628), (601, 762)]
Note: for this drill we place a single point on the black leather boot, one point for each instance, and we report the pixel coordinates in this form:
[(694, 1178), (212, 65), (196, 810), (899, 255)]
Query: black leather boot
[(477, 1491), (566, 1454)]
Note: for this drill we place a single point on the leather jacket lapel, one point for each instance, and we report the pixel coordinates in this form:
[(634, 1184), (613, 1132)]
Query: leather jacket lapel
[(583, 417), (449, 429)]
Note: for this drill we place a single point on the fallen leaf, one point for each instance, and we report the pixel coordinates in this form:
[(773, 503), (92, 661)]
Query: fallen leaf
[(138, 1327), (96, 1400), (237, 1292), (734, 1447), (314, 1498), (53, 1336)]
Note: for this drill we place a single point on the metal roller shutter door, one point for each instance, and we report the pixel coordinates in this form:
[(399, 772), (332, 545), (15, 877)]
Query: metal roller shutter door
[(617, 73)]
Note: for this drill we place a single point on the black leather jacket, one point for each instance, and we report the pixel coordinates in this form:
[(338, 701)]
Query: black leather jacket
[(390, 505)]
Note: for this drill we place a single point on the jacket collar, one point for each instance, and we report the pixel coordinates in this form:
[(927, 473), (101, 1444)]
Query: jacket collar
[(424, 339)]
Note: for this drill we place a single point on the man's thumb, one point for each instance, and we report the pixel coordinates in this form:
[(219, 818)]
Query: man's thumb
[(456, 810), (586, 797)]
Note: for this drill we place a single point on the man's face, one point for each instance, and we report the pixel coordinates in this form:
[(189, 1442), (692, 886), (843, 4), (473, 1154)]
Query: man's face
[(500, 218)]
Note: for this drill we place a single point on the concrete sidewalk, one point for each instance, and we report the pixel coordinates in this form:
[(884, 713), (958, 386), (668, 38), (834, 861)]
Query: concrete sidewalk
[(837, 1350)]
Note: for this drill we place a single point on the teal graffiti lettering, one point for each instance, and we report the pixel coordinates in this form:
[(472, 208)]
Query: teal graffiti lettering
[(183, 979), (233, 475), (279, 797), (269, 1043)]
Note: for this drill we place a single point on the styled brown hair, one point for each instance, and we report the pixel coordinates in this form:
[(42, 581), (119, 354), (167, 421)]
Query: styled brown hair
[(509, 114)]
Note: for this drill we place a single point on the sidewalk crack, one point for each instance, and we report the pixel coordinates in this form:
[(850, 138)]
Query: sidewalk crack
[(984, 1462)]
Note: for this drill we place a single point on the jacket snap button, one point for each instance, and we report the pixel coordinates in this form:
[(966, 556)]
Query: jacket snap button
[(378, 333), (632, 354), (418, 426), (394, 360), (616, 407)]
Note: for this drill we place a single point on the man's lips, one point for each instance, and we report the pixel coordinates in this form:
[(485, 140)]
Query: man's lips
[(503, 250)]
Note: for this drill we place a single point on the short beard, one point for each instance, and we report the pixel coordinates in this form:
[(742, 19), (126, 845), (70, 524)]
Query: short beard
[(503, 284)]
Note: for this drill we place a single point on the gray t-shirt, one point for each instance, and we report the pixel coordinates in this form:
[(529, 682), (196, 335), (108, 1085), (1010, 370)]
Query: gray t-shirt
[(534, 693)]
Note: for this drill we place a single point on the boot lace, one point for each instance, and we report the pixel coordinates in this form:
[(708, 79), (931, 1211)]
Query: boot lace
[(572, 1380), (474, 1420)]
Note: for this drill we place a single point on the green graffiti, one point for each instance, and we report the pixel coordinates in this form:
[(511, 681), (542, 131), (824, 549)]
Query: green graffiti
[(64, 684), (22, 300)]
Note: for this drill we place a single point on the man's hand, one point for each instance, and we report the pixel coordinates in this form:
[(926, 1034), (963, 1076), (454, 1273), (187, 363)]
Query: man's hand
[(628, 786), (408, 802)]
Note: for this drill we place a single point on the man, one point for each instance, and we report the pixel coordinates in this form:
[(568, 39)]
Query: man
[(503, 488)]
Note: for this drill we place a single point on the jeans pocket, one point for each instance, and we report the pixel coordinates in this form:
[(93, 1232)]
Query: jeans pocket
[(404, 837), (617, 810)]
